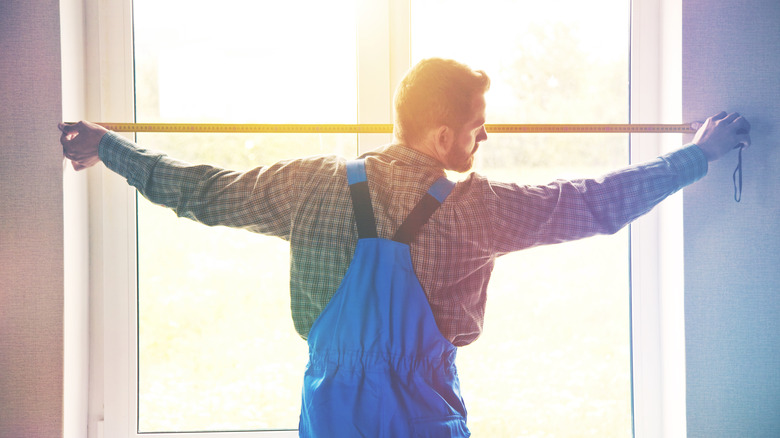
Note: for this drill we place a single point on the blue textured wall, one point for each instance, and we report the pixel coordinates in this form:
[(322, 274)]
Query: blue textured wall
[(731, 61)]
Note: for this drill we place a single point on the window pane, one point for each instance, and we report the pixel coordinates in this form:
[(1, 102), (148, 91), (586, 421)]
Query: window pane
[(554, 358), (217, 347)]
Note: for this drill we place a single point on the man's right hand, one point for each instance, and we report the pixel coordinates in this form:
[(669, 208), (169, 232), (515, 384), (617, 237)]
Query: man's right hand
[(80, 142), (721, 133)]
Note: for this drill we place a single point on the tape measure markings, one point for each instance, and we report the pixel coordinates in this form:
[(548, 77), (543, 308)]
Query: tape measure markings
[(388, 128), (591, 128)]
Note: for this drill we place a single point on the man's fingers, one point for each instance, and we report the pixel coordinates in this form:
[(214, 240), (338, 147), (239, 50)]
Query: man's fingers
[(84, 163), (719, 116), (730, 118), (65, 137), (742, 125), (80, 143), (76, 155), (743, 140), (69, 127), (68, 132), (73, 156), (741, 129)]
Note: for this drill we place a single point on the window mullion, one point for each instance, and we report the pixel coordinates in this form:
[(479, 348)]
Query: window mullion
[(400, 43), (112, 221), (656, 243), (380, 37)]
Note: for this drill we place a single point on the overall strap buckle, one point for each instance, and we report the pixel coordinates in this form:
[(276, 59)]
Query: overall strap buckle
[(424, 209)]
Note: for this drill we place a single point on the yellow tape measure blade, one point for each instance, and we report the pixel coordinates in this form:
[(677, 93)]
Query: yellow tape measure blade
[(286, 128), (291, 128), (612, 128)]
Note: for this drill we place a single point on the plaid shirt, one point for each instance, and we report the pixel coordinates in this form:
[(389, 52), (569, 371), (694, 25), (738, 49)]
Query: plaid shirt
[(306, 201)]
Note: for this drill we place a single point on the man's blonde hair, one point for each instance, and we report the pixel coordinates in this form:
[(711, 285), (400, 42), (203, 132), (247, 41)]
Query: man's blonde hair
[(435, 92)]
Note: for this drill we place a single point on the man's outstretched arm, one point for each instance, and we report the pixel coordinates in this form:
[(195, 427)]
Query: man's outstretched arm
[(259, 199)]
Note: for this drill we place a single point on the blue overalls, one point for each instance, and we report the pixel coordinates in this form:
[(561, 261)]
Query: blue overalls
[(378, 364)]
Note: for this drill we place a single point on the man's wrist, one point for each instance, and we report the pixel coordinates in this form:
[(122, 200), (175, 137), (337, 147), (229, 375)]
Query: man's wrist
[(706, 153), (689, 163)]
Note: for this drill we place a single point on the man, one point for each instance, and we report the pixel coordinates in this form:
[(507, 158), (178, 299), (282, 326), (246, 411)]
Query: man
[(383, 318)]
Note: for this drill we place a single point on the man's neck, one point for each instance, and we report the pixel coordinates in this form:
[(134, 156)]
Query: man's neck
[(421, 147)]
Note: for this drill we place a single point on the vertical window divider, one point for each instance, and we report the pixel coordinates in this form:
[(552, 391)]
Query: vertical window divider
[(400, 16), (112, 222), (657, 319), (374, 64)]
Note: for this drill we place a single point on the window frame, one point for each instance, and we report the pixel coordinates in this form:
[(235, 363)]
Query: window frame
[(657, 329), (657, 271)]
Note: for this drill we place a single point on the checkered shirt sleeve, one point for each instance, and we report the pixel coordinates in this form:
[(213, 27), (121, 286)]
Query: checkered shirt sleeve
[(307, 202)]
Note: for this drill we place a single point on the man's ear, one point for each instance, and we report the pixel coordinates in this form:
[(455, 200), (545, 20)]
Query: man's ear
[(443, 139)]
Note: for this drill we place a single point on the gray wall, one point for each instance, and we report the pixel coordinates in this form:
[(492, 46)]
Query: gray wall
[(31, 217), (731, 61)]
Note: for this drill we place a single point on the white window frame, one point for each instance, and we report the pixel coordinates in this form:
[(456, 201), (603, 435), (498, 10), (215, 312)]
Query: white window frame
[(656, 259), (657, 271)]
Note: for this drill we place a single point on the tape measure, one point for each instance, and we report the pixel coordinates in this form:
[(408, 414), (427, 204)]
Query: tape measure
[(683, 128)]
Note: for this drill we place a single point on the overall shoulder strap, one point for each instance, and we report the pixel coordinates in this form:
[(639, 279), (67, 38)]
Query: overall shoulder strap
[(424, 210), (361, 199)]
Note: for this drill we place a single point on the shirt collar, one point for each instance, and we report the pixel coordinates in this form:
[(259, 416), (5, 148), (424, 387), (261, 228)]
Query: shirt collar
[(408, 155)]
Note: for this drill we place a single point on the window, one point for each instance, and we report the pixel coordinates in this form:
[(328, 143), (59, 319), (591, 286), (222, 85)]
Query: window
[(176, 71), (556, 341), (216, 345)]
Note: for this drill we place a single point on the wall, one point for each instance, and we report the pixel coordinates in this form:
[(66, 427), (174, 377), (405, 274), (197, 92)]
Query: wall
[(31, 221), (732, 250)]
